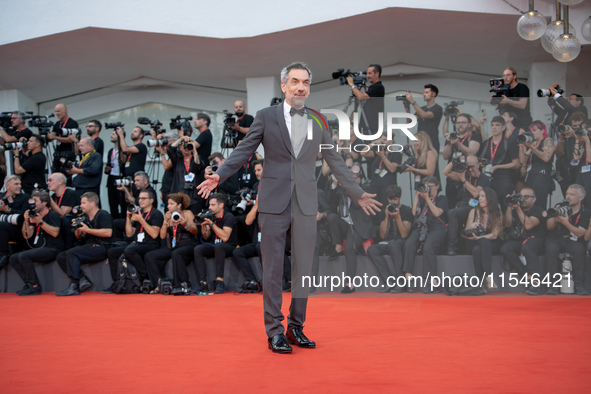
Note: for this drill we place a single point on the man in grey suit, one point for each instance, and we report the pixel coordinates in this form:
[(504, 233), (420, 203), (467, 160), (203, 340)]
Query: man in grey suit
[(288, 198)]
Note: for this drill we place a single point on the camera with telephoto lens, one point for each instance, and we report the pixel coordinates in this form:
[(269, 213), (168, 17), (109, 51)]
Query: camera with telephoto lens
[(486, 167), (154, 124), (561, 129), (33, 211), (411, 161), (454, 135), (183, 289), (77, 221), (358, 77), (123, 181), (67, 132), (153, 143), (14, 218), (514, 199), (459, 162), (392, 207), (581, 132), (499, 88), (42, 123), (146, 286), (132, 208), (187, 145), (14, 145), (548, 93), (451, 109), (65, 163), (525, 138), (184, 123), (175, 216), (244, 195), (229, 118), (113, 125), (165, 286), (477, 232), (422, 188), (561, 209), (205, 214), (403, 98)]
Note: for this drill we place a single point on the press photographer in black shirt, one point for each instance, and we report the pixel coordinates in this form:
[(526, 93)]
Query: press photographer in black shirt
[(538, 156), (13, 202), (570, 150), (564, 107), (429, 116), (516, 98), (375, 94), (30, 164), (93, 128), (66, 144), (19, 129), (243, 122), (135, 155)]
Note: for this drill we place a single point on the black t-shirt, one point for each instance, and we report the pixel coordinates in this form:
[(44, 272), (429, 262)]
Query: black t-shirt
[(380, 176), (245, 121), (18, 203), (464, 195), (136, 195), (465, 140), (69, 198), (26, 132), (102, 219), (204, 139), (135, 162), (434, 221), (70, 124), (154, 218), (246, 176), (34, 166), (227, 220), (501, 153), (524, 118), (374, 105), (99, 145), (579, 219), (535, 211), (431, 126), (44, 239), (180, 171), (406, 216)]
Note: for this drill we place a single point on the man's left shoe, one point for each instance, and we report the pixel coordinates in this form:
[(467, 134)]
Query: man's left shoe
[(580, 290), (85, 284), (69, 291), (278, 344), (31, 290), (295, 336), (219, 287)]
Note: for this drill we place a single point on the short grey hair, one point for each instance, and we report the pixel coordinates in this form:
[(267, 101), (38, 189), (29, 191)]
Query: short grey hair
[(578, 188), (142, 174), (88, 141), (295, 66)]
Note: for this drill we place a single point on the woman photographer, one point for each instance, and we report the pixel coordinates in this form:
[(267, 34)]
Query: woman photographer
[(483, 231), (179, 230), (426, 155), (536, 157)]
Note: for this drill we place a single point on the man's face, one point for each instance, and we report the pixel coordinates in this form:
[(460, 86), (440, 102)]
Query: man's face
[(33, 143), (113, 136), (140, 182), (576, 125), (53, 182), (463, 125), (85, 205), (528, 198), (472, 166), (297, 88), (61, 112), (136, 134), (16, 121), (215, 207), (38, 204), (508, 77), (144, 201), (199, 123), (239, 108), (428, 94), (372, 76), (573, 100), (573, 197), (497, 128), (216, 161), (258, 171), (84, 147), (507, 117), (14, 187), (91, 128)]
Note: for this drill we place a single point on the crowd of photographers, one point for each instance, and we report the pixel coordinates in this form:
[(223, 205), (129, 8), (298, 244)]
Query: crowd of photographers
[(495, 201)]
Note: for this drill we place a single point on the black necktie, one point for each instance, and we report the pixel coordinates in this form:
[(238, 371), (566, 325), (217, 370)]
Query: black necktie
[(301, 111)]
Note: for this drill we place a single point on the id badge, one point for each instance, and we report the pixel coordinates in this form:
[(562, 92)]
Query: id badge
[(217, 241), (127, 164), (574, 162), (417, 178), (383, 173), (528, 167), (318, 163), (586, 168), (173, 243), (573, 237), (473, 202), (36, 240), (189, 177), (140, 237), (259, 236)]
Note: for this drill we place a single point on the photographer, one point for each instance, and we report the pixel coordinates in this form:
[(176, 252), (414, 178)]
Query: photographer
[(114, 169), (62, 201), (538, 156), (503, 158), (483, 231), (204, 139), (143, 226), (87, 175), (511, 131), (570, 153), (429, 229), (161, 151), (19, 129), (566, 234), (429, 116), (41, 229), (13, 203), (230, 185), (394, 230), (382, 166), (93, 129), (426, 158), (187, 170), (515, 99), (95, 233), (465, 142), (242, 126), (219, 239), (179, 230), (582, 153), (135, 155), (565, 107), (375, 92), (66, 145), (472, 181), (31, 164), (141, 182), (525, 236)]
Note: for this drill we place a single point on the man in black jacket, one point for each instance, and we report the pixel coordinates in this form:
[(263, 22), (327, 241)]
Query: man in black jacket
[(87, 175)]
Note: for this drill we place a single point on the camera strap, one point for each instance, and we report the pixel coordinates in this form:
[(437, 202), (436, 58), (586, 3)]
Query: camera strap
[(86, 156), (146, 219)]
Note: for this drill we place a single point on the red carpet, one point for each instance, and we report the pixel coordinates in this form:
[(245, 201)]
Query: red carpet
[(99, 343)]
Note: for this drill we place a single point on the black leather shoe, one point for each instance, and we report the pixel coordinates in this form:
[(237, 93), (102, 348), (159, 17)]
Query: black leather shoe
[(69, 291), (286, 287), (348, 290), (580, 290), (85, 284), (534, 290), (278, 344), (552, 290), (295, 336), (397, 289)]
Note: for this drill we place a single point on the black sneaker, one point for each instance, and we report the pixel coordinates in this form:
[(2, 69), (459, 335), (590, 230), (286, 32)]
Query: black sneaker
[(219, 287), (201, 289), (85, 284), (3, 261), (580, 290), (71, 290), (534, 290), (25, 287), (32, 290)]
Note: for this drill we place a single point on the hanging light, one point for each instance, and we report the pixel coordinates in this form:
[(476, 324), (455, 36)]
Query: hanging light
[(553, 31), (532, 24), (586, 29), (571, 2), (566, 47)]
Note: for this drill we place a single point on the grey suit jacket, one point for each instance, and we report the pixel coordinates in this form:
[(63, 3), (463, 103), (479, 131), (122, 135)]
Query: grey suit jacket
[(283, 171)]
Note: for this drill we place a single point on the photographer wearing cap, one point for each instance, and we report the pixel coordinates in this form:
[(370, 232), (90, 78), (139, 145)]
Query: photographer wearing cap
[(375, 93), (30, 164), (66, 146), (429, 116), (142, 225), (13, 203), (95, 233), (394, 229), (41, 229), (516, 98), (19, 129), (87, 175)]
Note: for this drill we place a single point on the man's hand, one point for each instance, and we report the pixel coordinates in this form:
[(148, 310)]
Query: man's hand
[(208, 185), (368, 204), (410, 99)]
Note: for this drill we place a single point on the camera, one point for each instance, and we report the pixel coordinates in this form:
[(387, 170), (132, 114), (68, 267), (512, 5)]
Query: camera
[(133, 208), (67, 132), (499, 88), (205, 214), (547, 93), (525, 138), (14, 218), (421, 224), (451, 109), (123, 181), (175, 216), (229, 118), (422, 188), (42, 123), (514, 199), (581, 132), (154, 124), (65, 163), (411, 161), (562, 128), (392, 207), (183, 289), (486, 167), (477, 232), (187, 145), (14, 145), (454, 135), (153, 143), (561, 209), (33, 211), (165, 286), (113, 125), (184, 123), (403, 98), (146, 286), (459, 162), (245, 195), (341, 75), (77, 221), (6, 122)]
